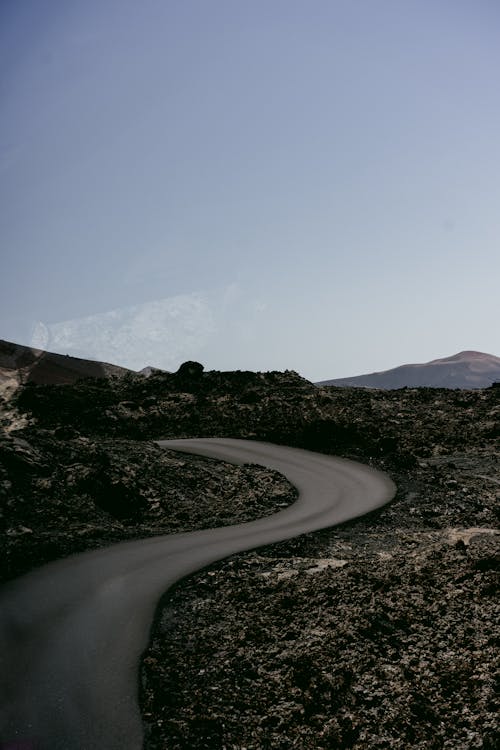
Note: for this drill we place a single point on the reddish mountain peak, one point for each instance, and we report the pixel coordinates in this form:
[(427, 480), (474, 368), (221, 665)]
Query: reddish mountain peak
[(467, 369), (467, 356)]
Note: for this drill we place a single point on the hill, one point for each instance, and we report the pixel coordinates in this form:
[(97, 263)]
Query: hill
[(23, 364), (464, 370)]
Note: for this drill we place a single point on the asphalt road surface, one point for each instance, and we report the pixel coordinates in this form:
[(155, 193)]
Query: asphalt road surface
[(72, 632)]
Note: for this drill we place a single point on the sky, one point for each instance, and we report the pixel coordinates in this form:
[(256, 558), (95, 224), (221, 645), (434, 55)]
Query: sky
[(262, 185)]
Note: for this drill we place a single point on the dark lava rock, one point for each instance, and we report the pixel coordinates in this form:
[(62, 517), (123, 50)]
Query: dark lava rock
[(189, 370), (396, 651), (380, 633)]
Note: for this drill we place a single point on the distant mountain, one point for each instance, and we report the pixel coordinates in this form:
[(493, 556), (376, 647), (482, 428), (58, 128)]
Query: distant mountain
[(463, 370), (24, 364)]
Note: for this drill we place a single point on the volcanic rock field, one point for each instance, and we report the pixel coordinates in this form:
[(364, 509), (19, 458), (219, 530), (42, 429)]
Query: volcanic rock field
[(381, 633)]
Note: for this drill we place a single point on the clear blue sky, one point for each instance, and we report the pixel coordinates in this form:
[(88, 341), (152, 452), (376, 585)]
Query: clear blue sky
[(257, 185)]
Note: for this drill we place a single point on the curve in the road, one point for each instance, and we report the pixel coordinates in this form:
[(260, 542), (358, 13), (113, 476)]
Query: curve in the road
[(72, 633)]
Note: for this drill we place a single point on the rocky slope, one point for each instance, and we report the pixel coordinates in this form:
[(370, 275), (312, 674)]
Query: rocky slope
[(463, 370), (379, 633), (22, 364)]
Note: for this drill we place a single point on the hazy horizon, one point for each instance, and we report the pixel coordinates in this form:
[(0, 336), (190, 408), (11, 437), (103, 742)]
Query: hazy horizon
[(260, 186)]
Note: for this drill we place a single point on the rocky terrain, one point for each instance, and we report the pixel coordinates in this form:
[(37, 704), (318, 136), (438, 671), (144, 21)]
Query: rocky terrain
[(463, 370), (381, 633)]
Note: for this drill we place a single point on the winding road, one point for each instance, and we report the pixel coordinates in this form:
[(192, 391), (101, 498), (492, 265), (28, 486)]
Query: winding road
[(72, 632)]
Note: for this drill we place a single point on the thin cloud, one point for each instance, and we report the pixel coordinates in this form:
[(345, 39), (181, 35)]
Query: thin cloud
[(162, 333)]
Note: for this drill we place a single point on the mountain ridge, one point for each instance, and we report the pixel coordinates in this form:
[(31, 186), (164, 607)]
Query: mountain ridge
[(467, 369)]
